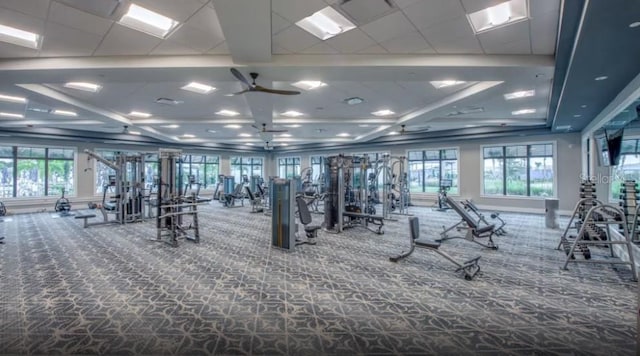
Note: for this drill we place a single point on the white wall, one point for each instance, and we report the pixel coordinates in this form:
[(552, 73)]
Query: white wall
[(568, 170)]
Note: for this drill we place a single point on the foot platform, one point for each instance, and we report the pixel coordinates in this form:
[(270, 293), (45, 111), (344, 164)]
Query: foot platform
[(470, 268)]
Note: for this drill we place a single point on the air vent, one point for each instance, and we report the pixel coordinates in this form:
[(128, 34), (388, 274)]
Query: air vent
[(467, 110), (167, 101), (563, 127), (102, 8), (365, 11)]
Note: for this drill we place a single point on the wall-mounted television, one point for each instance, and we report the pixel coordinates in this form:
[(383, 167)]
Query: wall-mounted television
[(610, 147)]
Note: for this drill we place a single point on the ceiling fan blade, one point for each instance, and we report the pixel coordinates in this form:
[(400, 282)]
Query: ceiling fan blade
[(236, 73), (275, 91), (241, 92), (273, 130), (255, 127)]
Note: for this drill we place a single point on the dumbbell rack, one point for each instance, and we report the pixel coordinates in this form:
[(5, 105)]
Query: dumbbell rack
[(587, 191), (629, 204), (576, 222), (603, 216)]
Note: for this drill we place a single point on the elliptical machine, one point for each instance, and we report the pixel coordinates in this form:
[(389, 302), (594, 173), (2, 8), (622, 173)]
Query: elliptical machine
[(63, 205)]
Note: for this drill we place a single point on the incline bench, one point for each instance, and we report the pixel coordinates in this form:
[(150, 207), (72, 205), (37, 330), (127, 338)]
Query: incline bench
[(365, 219), (469, 268), (474, 230)]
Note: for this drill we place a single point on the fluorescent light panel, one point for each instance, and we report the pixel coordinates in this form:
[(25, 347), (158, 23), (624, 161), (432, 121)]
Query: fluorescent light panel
[(140, 114), (291, 113), (233, 126), (500, 15), (198, 88), (227, 113), (188, 136), (64, 113), (445, 83), (519, 94), (309, 84), (10, 114), (172, 126), (343, 134), (326, 23), (285, 135), (13, 99), (19, 37), (86, 86), (244, 135), (294, 125), (385, 112), (135, 132), (147, 21), (523, 112)]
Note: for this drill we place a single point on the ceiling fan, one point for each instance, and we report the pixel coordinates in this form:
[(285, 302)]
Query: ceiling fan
[(265, 129), (404, 131), (252, 86)]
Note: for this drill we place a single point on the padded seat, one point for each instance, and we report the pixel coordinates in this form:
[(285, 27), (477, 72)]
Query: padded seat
[(429, 244), (305, 218), (484, 229), (109, 206)]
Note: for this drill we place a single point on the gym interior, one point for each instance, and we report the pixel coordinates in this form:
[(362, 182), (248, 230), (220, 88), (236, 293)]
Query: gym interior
[(319, 177)]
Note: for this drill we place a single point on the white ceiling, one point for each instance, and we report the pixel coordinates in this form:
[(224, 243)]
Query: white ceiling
[(388, 62)]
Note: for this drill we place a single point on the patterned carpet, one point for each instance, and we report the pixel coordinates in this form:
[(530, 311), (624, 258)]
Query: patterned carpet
[(109, 290)]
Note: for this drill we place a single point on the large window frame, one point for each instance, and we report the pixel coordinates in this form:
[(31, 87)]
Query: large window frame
[(439, 162), (36, 171), (518, 159), (291, 165), (246, 165), (317, 164), (206, 168)]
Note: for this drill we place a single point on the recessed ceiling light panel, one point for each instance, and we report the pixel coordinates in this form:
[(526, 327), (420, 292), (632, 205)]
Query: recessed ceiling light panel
[(13, 99), (309, 84), (519, 94), (226, 112), (384, 112), (445, 83), (135, 132), (326, 23), (602, 77), (232, 126), (64, 113), (12, 115), (291, 113), (140, 114), (172, 126), (343, 134), (523, 112), (500, 15), (188, 136), (198, 88), (294, 125), (354, 100), (85, 86), (147, 21), (19, 37), (245, 135)]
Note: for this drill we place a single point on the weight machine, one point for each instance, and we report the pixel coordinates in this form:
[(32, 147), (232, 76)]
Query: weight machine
[(445, 185), (177, 216), (63, 205), (232, 192)]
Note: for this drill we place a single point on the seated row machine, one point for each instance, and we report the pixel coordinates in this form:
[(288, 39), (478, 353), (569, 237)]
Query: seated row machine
[(469, 268)]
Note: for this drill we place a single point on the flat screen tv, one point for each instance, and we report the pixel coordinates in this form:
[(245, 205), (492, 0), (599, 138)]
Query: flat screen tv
[(614, 146)]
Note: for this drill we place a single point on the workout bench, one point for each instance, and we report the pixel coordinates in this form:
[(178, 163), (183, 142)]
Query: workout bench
[(471, 206), (474, 230), (365, 219), (469, 268), (85, 217)]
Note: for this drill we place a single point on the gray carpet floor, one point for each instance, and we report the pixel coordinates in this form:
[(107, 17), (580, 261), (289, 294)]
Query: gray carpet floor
[(110, 290)]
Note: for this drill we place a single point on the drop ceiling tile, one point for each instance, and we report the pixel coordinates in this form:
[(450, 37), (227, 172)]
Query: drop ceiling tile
[(77, 19), (407, 43), (462, 45), (173, 48), (515, 47), (448, 31), (8, 50), (404, 3), (177, 10), (544, 31), (507, 34), (275, 49), (220, 49), (65, 41), (351, 41), (22, 21), (206, 20), (541, 7), (194, 38), (278, 23), (296, 10), (429, 13), (320, 48), (295, 39), (37, 8), (375, 49), (122, 40), (388, 27), (477, 5)]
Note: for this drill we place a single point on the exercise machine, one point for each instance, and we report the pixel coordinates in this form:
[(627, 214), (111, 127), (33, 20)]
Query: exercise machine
[(177, 217), (63, 205), (3, 209), (256, 201), (219, 187), (232, 192), (304, 215), (469, 268), (445, 185), (474, 231), (471, 206), (282, 214), (189, 192)]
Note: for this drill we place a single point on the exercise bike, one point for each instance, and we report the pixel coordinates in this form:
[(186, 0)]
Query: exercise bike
[(63, 205)]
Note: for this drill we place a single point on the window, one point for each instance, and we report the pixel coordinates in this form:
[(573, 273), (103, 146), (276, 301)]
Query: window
[(204, 168), (317, 165), (428, 167), (373, 159), (245, 166), (288, 167), (519, 170), (628, 168), (36, 171), (102, 171)]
